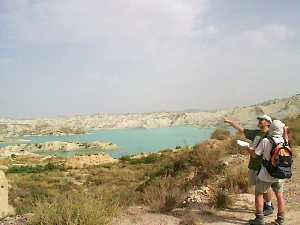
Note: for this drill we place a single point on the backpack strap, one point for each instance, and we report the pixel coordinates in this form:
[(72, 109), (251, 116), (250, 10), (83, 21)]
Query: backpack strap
[(272, 141), (260, 140)]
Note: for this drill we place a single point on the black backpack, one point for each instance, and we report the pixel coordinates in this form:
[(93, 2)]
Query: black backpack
[(280, 164)]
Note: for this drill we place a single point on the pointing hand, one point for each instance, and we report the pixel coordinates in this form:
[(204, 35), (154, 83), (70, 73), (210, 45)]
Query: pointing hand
[(226, 120)]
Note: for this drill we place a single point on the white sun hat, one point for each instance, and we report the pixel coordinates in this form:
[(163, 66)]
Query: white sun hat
[(276, 129), (265, 117)]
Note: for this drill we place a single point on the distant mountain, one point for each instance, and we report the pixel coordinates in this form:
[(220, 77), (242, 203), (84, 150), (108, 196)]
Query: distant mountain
[(277, 108)]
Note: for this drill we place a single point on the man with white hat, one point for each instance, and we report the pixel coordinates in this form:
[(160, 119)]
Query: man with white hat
[(264, 180), (256, 135)]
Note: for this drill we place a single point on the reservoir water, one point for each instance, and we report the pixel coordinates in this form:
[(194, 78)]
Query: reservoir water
[(132, 140)]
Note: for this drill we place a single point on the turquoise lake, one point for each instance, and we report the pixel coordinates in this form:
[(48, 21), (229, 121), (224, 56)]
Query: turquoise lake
[(133, 140)]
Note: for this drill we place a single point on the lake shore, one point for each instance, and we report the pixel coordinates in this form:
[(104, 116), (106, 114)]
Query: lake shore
[(55, 146)]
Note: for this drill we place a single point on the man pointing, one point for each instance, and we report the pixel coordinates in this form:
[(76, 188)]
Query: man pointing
[(256, 135)]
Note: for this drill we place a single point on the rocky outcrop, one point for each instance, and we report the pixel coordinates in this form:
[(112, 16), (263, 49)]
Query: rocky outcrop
[(99, 144), (198, 196), (78, 162)]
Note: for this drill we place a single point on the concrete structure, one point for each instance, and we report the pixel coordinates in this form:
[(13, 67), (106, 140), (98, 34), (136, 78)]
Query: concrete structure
[(5, 208)]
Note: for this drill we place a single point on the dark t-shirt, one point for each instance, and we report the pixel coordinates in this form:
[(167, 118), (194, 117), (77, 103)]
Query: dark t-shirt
[(255, 136)]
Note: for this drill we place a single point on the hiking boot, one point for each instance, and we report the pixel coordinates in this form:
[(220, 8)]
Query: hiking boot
[(259, 220), (268, 210), (279, 221)]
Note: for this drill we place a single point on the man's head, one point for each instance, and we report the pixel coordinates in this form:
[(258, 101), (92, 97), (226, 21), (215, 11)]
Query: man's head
[(264, 122)]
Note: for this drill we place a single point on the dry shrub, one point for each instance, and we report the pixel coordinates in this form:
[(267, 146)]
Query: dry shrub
[(162, 195), (208, 162), (233, 147), (236, 179), (220, 134), (74, 209), (222, 199), (294, 130), (294, 136)]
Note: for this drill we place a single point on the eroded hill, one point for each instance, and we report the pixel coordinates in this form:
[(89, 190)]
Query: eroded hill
[(279, 108)]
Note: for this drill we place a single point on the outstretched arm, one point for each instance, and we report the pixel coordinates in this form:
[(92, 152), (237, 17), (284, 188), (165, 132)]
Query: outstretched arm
[(234, 124)]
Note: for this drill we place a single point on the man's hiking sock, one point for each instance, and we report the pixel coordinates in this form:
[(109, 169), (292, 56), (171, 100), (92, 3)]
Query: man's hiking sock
[(268, 203), (268, 209)]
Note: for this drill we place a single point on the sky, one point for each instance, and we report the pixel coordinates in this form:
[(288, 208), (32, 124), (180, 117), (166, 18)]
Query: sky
[(66, 57)]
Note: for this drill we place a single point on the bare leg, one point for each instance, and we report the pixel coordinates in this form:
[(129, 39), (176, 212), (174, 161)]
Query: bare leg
[(259, 203), (259, 215), (268, 195), (280, 202)]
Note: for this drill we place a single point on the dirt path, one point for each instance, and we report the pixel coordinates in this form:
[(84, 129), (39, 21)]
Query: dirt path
[(140, 216)]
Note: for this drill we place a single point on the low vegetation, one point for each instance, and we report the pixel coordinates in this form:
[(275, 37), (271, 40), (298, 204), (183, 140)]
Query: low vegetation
[(236, 179), (78, 208), (34, 169), (222, 199), (147, 159), (220, 134), (163, 194), (169, 181), (58, 195), (294, 130)]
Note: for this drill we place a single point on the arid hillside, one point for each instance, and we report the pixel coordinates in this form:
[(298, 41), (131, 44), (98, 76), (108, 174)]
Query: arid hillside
[(279, 108)]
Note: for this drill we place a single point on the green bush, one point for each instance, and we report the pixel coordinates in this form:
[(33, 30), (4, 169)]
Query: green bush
[(151, 158), (34, 169)]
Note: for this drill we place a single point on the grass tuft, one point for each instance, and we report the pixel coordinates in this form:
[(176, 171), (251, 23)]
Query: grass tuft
[(236, 179), (222, 199), (162, 195), (75, 209)]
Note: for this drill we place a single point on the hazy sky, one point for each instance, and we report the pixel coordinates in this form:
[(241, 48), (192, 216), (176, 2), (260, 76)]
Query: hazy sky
[(85, 56)]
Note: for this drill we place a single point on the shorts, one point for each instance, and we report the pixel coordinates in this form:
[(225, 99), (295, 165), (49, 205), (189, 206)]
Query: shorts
[(262, 186), (252, 176)]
